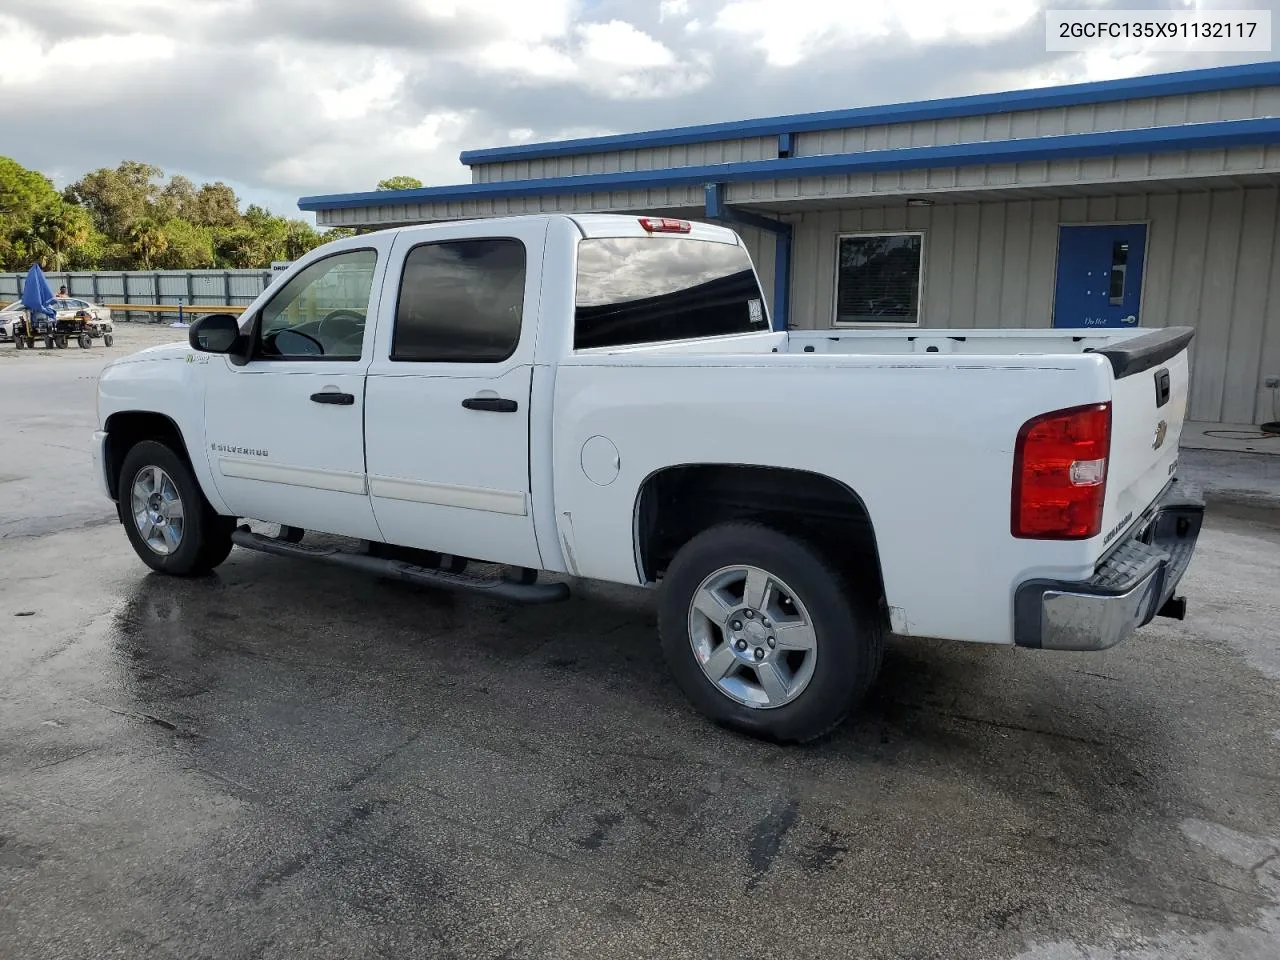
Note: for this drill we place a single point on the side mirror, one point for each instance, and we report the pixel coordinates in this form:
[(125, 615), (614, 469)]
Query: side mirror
[(215, 333)]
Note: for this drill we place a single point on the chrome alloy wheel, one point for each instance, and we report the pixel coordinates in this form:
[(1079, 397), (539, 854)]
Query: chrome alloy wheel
[(157, 510), (752, 636)]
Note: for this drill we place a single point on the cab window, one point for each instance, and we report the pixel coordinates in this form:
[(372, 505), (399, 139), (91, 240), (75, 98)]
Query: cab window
[(461, 301), (321, 313)]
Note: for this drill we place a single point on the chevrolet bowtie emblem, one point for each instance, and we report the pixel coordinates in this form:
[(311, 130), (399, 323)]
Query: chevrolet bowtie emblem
[(1162, 429)]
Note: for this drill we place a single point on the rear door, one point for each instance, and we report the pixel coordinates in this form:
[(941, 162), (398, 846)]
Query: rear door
[(447, 399)]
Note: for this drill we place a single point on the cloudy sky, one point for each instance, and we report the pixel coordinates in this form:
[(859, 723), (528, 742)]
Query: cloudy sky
[(284, 98)]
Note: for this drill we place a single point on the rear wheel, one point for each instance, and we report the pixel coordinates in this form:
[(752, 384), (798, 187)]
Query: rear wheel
[(48, 343), (85, 341), (764, 635), (170, 524), (108, 339)]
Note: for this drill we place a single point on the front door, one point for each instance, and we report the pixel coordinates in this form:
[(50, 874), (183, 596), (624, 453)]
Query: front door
[(1099, 275), (285, 431), (448, 395)]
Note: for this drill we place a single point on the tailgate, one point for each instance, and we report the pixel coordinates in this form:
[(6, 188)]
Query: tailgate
[(1149, 404)]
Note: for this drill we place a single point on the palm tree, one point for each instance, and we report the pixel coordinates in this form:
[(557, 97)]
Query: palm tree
[(54, 232), (147, 240)]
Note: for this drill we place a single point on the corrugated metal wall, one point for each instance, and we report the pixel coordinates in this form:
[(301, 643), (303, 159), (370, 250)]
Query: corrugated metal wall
[(1085, 118), (1213, 262), (227, 287), (1057, 175), (617, 201), (1122, 115), (688, 155), (760, 245), (1044, 175)]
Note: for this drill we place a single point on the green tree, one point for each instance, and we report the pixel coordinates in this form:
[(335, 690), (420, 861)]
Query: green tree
[(117, 198), (239, 248), (117, 255), (187, 247), (300, 239), (22, 193), (216, 205), (53, 233), (147, 241), (92, 253), (399, 183), (177, 200)]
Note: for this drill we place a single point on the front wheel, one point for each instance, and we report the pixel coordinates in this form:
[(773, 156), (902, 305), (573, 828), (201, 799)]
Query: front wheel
[(764, 635), (170, 524), (85, 341), (19, 343), (108, 339)]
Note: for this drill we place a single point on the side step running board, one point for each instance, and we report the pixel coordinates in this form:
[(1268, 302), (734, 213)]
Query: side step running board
[(487, 586)]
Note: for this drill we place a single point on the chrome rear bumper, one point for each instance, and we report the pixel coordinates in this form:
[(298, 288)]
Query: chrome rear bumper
[(1132, 585)]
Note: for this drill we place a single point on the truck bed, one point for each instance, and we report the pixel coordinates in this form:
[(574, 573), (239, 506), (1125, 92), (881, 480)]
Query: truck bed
[(979, 342)]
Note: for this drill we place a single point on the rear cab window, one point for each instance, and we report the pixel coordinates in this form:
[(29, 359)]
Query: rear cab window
[(637, 290)]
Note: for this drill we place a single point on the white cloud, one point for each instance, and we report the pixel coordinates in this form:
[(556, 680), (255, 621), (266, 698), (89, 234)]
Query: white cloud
[(623, 44), (33, 60), (789, 31), (670, 9), (349, 90), (298, 97), (534, 61), (615, 60), (409, 150)]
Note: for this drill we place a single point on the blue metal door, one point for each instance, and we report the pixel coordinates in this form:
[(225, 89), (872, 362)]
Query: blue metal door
[(1099, 275)]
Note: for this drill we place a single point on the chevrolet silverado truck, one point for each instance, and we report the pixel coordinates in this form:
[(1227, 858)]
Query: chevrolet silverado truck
[(508, 405)]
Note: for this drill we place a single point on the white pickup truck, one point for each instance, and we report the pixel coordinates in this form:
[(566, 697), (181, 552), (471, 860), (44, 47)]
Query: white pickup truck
[(474, 405)]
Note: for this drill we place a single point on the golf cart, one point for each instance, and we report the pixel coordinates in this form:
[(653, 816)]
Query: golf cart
[(56, 332)]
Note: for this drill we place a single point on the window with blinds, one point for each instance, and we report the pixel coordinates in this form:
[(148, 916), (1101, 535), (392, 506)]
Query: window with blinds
[(878, 278)]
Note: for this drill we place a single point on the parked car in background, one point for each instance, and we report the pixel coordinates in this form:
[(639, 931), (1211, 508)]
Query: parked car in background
[(67, 307), (8, 315)]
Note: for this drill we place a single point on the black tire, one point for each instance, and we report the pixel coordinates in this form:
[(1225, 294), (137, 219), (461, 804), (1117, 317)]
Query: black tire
[(60, 342), (86, 341), (19, 343), (206, 536), (48, 343), (850, 635), (108, 339)]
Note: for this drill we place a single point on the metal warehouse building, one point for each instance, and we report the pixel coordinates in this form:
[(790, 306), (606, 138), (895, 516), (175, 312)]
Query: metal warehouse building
[(1152, 201)]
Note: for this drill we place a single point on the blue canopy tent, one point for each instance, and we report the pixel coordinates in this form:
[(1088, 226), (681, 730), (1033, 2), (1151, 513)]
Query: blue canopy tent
[(37, 297)]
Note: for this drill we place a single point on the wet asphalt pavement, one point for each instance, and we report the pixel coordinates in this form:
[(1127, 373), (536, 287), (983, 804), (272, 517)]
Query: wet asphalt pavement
[(287, 761)]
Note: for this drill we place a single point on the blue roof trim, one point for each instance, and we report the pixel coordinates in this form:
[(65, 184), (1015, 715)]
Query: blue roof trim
[(1193, 136), (1103, 91)]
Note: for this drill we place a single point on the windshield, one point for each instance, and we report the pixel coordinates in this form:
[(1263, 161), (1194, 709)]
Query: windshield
[(634, 290)]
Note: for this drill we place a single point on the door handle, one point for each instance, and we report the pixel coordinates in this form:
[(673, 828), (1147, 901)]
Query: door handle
[(341, 399), (496, 404)]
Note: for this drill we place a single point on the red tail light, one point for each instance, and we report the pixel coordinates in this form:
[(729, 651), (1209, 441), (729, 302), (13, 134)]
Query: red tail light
[(1060, 474), (665, 225)]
